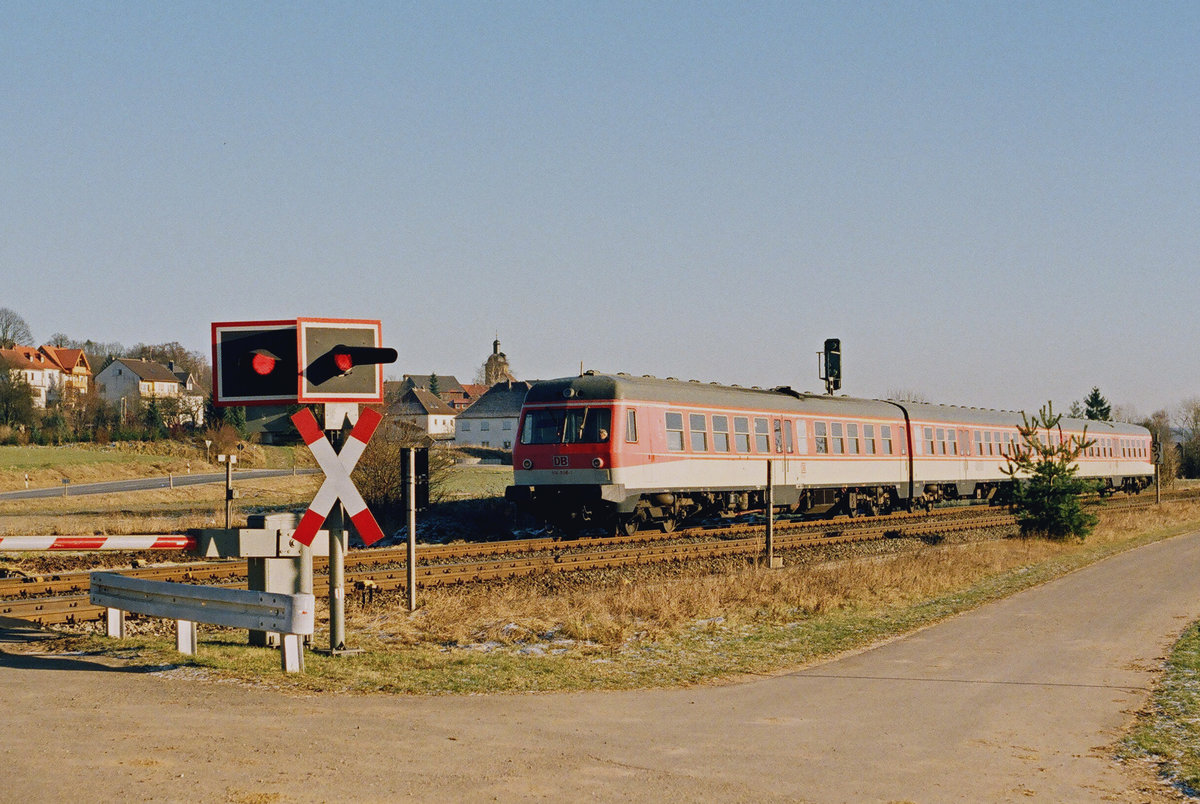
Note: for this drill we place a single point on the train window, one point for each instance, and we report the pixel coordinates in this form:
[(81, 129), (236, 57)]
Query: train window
[(787, 435), (675, 432), (885, 432), (869, 439), (851, 439), (835, 431), (720, 433), (801, 438), (741, 434), (778, 435), (930, 445), (952, 442), (565, 426), (699, 430), (821, 437), (762, 439), (631, 426)]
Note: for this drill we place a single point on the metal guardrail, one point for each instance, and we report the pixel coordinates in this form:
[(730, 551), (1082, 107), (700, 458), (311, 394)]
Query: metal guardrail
[(289, 615)]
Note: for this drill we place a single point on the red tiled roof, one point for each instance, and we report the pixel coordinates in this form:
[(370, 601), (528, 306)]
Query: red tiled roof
[(26, 357)]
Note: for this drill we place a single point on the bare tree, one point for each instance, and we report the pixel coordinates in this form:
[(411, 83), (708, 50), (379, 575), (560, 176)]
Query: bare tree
[(1159, 425), (907, 395), (1187, 419), (13, 329)]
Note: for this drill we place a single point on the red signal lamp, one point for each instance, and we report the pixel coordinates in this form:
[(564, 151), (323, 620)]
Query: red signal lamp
[(344, 361), (263, 362)]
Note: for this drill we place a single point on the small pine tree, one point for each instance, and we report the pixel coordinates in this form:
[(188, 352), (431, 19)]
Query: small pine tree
[(1096, 407), (433, 385), (1045, 487)]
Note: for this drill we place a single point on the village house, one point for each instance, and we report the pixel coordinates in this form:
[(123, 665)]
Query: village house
[(492, 420), (129, 383), (457, 395), (425, 411), (53, 374)]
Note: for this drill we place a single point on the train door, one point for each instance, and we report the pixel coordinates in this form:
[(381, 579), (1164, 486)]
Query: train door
[(781, 461), (964, 454)]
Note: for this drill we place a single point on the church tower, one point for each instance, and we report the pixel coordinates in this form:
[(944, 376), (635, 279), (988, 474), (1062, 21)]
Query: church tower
[(496, 368)]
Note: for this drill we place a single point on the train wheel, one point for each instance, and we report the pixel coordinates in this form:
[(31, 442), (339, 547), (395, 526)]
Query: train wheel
[(628, 525), (668, 525)]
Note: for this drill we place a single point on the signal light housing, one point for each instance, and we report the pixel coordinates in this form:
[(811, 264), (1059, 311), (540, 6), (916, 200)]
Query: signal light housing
[(254, 363), (341, 360), (307, 360)]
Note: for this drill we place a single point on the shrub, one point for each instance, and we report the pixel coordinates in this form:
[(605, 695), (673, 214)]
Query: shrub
[(1045, 487)]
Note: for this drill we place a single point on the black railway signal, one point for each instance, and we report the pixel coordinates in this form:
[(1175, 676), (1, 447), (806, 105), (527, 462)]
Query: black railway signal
[(833, 365)]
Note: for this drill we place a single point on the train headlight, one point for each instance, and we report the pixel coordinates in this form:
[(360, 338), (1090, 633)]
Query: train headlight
[(597, 463), (526, 464)]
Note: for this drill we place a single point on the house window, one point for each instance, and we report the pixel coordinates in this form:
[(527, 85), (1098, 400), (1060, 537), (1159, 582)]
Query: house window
[(699, 430), (720, 426), (741, 434), (507, 424), (485, 426), (465, 426), (675, 432)]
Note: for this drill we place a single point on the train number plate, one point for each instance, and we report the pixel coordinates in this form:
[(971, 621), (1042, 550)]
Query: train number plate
[(560, 461)]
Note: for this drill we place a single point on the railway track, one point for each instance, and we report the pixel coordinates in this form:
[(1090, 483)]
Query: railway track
[(63, 597)]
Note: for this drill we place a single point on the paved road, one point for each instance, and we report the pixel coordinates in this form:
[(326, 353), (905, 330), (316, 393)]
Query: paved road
[(141, 484), (1018, 701)]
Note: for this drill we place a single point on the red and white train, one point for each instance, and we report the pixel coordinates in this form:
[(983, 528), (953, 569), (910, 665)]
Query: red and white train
[(613, 450)]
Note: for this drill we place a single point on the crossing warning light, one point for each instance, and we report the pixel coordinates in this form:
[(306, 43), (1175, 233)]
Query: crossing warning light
[(254, 363), (341, 360), (306, 360)]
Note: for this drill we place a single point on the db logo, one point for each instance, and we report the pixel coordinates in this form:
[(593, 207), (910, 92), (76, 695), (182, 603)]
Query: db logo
[(560, 461)]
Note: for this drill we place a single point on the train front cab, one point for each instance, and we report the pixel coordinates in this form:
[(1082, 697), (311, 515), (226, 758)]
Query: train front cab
[(564, 462)]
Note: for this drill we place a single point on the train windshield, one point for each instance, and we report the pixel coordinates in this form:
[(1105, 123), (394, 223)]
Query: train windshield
[(567, 426)]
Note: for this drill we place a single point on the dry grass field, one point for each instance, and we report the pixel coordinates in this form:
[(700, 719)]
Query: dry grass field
[(655, 626)]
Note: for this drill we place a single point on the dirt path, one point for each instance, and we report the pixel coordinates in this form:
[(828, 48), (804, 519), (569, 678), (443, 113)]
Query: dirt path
[(1018, 701)]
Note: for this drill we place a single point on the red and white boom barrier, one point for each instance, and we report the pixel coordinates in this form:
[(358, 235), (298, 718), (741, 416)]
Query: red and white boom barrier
[(21, 544)]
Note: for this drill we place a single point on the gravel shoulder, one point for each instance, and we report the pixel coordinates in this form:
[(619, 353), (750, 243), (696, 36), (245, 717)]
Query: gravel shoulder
[(1021, 699)]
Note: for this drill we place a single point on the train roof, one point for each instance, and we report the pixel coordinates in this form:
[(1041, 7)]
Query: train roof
[(601, 386)]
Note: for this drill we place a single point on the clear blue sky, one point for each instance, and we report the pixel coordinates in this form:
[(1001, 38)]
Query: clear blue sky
[(992, 204)]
